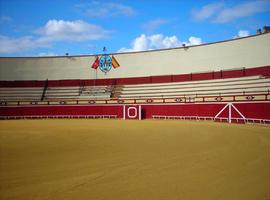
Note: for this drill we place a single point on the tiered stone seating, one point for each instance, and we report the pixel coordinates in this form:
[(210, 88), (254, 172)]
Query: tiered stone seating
[(55, 93), (77, 93), (96, 92), (218, 87), (62, 93), (17, 94)]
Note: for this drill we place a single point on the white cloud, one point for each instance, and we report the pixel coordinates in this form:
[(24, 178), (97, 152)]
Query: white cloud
[(152, 25), (141, 43), (100, 9), (207, 11), (242, 33), (53, 31), (242, 10), (194, 41), (12, 45), (221, 13), (59, 30), (158, 41)]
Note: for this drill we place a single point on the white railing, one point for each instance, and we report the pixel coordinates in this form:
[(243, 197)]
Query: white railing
[(216, 119), (61, 117), (182, 117)]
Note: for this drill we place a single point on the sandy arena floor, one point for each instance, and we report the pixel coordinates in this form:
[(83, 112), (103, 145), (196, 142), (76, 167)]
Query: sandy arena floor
[(132, 160)]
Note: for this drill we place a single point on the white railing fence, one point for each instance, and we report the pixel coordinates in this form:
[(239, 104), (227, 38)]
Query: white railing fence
[(215, 119)]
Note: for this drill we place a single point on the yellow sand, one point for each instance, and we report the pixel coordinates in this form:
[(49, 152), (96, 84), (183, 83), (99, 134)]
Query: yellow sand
[(136, 160)]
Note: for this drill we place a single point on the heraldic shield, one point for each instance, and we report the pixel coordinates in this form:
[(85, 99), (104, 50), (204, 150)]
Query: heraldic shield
[(105, 63)]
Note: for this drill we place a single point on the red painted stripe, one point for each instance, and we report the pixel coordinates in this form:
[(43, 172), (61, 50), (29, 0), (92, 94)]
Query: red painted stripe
[(263, 70)]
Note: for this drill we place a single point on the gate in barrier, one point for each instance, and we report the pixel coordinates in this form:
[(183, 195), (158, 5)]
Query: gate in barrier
[(132, 112)]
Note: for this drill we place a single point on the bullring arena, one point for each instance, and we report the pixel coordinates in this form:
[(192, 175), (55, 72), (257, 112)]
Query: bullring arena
[(182, 123)]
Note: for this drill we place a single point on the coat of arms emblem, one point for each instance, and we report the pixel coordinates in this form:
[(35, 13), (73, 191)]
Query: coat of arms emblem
[(105, 62)]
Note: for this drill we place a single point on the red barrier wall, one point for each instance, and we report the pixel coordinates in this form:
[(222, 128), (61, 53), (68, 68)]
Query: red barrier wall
[(249, 110), (209, 110), (61, 110)]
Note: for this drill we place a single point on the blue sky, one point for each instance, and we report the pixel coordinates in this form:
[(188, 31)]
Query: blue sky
[(56, 27)]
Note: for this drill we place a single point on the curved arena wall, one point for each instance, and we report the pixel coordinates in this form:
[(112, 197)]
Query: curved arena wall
[(249, 52)]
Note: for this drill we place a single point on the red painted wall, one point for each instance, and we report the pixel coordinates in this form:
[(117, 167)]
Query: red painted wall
[(249, 110), (203, 76), (144, 80), (61, 110), (255, 110), (181, 110)]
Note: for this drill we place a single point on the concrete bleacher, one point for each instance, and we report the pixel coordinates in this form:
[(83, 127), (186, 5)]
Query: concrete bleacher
[(78, 93), (97, 92), (61, 93), (55, 93), (217, 87), (15, 94)]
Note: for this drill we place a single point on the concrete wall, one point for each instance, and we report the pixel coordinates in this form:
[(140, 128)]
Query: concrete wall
[(245, 52)]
